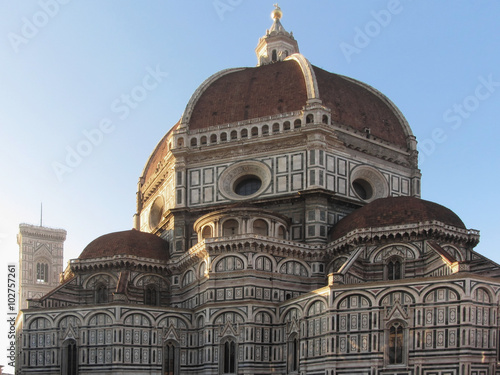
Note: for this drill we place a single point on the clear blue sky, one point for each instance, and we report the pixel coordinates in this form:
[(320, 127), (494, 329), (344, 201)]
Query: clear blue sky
[(67, 68)]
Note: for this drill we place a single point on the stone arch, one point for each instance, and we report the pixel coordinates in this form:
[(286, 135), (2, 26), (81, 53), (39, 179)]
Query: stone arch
[(300, 268), (428, 289), (229, 266), (271, 315), (166, 319), (403, 294), (229, 229), (344, 301), (313, 304), (134, 315), (232, 315), (261, 264), (41, 323), (290, 312), (260, 226), (404, 251), (96, 275), (59, 320), (96, 314), (188, 277)]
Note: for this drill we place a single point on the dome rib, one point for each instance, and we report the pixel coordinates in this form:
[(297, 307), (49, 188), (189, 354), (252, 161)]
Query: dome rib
[(309, 76)]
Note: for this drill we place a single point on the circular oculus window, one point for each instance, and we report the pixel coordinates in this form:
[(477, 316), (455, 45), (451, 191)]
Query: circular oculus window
[(368, 183), (156, 213), (244, 180)]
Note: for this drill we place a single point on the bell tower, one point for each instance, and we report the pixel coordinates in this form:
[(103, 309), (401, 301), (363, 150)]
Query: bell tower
[(40, 260), (277, 44)]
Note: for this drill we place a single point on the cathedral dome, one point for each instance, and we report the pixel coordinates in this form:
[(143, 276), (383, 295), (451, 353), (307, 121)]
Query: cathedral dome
[(235, 95), (395, 211), (268, 90), (127, 243)]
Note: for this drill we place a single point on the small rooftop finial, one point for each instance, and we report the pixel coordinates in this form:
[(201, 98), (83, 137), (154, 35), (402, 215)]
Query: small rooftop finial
[(278, 43), (276, 14)]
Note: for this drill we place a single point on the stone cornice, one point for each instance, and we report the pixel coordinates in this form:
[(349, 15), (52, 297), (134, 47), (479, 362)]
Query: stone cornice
[(248, 243), (45, 233), (118, 262), (424, 230)]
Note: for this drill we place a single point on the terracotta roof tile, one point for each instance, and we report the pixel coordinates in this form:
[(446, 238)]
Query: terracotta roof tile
[(130, 242), (395, 211), (251, 93)]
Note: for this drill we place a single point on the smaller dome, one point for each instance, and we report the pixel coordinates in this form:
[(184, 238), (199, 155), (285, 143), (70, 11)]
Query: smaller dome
[(129, 242), (395, 211)]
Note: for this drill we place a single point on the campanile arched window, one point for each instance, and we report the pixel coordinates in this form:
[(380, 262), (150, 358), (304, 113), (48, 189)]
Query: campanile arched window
[(42, 273)]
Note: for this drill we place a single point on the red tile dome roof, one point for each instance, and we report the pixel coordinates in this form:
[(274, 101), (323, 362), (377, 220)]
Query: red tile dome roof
[(129, 242), (272, 89), (395, 211), (246, 93)]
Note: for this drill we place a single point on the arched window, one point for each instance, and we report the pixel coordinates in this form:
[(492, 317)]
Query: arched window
[(265, 130), (281, 232), (286, 125), (228, 360), (325, 119), (180, 142), (101, 294), (206, 232), (260, 227), (42, 272), (255, 131), (170, 358), (309, 119), (151, 295), (394, 269), (274, 56), (203, 140), (223, 137), (234, 134), (395, 346), (276, 127), (297, 124), (194, 142), (230, 228), (69, 361), (213, 138), (293, 354), (244, 133)]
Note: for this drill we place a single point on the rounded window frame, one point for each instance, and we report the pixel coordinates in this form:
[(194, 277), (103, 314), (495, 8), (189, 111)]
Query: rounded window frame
[(238, 172), (369, 176)]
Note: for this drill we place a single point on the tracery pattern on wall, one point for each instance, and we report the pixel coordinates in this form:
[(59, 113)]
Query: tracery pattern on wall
[(294, 268)]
